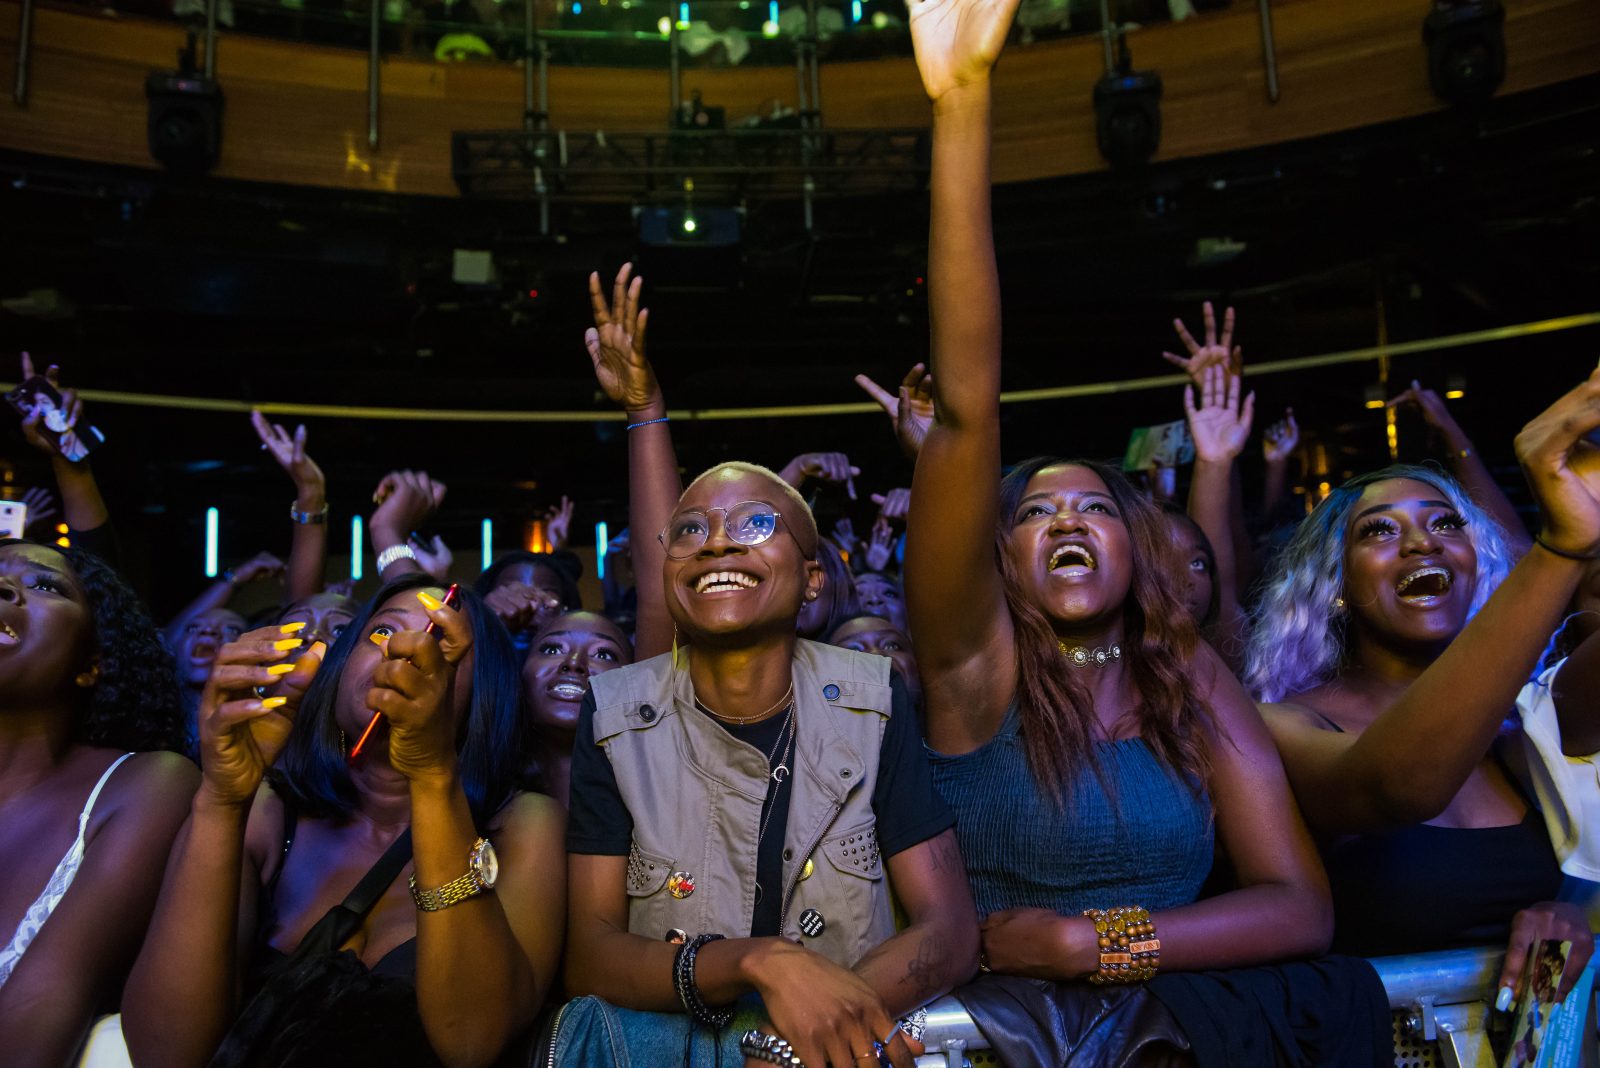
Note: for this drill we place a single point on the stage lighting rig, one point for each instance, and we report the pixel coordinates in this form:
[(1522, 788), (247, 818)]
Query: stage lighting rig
[(185, 115), (1127, 103), (1466, 49)]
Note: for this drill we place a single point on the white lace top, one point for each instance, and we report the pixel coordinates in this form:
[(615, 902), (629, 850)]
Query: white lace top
[(56, 888)]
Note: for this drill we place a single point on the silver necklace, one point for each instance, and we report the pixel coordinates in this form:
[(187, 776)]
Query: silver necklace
[(779, 776), (708, 710)]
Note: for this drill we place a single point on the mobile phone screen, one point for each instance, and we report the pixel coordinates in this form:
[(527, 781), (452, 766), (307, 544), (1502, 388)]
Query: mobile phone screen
[(13, 519)]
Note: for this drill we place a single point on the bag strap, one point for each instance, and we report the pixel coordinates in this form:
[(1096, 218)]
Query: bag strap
[(345, 918)]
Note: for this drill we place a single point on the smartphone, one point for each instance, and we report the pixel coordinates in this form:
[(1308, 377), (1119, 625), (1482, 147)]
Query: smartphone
[(1162, 445), (13, 519), (73, 442)]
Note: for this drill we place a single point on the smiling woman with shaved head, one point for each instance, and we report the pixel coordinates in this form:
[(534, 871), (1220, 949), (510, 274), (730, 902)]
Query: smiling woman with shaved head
[(743, 806), (1392, 642)]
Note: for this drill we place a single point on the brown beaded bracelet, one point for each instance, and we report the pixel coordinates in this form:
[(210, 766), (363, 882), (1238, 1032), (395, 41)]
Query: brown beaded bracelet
[(1130, 952)]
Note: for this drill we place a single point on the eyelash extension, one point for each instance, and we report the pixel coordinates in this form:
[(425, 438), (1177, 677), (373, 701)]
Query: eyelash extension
[(1375, 526), (1452, 521)]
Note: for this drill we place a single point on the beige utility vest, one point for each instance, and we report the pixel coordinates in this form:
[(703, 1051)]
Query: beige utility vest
[(695, 794)]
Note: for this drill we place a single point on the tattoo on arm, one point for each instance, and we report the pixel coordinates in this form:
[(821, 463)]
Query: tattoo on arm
[(925, 973), (944, 854)]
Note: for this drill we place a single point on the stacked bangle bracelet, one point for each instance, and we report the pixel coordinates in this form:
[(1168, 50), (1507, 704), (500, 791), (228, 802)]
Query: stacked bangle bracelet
[(688, 993), (1130, 952), (769, 1049)]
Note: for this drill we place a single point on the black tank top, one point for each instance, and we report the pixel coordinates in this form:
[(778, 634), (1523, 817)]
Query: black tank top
[(1422, 888)]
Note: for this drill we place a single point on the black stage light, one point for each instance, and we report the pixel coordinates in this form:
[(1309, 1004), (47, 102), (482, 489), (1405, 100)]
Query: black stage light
[(1127, 109), (185, 116), (1466, 49)]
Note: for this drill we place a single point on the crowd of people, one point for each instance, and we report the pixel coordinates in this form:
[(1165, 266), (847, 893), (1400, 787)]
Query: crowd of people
[(1136, 787)]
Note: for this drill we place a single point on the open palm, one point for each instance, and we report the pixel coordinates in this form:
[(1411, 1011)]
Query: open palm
[(1220, 424), (958, 41), (616, 343)]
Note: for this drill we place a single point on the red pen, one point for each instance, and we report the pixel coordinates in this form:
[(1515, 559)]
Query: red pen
[(450, 598)]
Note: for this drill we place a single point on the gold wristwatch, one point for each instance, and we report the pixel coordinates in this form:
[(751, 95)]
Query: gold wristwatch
[(483, 868)]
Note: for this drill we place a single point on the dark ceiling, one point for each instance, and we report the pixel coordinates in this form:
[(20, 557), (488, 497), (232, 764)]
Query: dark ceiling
[(1453, 222)]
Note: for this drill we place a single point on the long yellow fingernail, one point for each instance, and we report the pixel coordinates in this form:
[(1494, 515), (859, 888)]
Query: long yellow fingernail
[(292, 628), (318, 649), (285, 644), (274, 702), (429, 601), (280, 669), (377, 639)]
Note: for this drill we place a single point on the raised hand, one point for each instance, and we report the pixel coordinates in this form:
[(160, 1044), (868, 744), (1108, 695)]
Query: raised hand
[(1435, 413), (290, 452), (1281, 439), (957, 42), (412, 688), (1216, 350), (558, 523), (1220, 425), (521, 606), (894, 506), (910, 410), (41, 505), (831, 467), (616, 343), (404, 499), (1563, 469), (34, 427), (433, 555), (880, 547), (844, 534), (241, 733), (260, 566)]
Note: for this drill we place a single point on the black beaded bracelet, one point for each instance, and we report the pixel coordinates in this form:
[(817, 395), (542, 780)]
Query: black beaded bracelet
[(1538, 539), (683, 985)]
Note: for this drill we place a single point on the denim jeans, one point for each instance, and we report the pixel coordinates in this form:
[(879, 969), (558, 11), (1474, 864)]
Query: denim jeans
[(596, 1034)]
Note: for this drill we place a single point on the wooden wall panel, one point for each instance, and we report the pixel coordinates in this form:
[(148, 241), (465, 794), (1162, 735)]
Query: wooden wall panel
[(297, 113)]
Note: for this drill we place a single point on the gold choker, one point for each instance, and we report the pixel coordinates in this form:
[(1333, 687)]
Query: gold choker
[(1079, 656)]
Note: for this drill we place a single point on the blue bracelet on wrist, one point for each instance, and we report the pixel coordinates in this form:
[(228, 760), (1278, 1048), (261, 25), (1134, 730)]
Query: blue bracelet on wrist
[(647, 422)]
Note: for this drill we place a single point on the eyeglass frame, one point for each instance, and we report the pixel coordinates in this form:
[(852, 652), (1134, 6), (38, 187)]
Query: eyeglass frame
[(776, 516)]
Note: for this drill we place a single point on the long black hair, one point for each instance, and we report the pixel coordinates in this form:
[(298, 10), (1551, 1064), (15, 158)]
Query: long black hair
[(134, 703), (491, 747)]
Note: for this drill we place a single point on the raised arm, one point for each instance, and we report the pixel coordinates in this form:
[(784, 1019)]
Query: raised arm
[(1220, 426), (405, 500), (1350, 784), (258, 568), (1466, 464), (955, 596), (83, 508), (910, 410), (616, 348), (834, 468), (184, 991), (1278, 443), (483, 964), (308, 551)]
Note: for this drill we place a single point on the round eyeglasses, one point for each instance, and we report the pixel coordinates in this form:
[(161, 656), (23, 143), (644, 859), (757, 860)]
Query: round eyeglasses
[(747, 524)]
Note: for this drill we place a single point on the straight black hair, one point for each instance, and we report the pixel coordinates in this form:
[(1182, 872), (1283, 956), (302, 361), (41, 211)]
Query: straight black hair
[(492, 747)]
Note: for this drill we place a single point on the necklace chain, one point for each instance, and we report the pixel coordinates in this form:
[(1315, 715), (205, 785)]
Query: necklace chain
[(708, 710), (1079, 656)]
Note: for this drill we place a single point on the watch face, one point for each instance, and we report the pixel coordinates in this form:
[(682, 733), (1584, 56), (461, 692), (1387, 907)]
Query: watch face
[(485, 865)]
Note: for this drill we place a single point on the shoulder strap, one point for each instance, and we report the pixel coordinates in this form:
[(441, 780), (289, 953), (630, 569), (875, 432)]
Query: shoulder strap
[(94, 795), (345, 918)]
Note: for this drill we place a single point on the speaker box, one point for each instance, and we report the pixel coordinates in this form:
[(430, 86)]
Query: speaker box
[(185, 124)]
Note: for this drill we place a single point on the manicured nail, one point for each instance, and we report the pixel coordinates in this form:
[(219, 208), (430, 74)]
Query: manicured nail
[(273, 702), (292, 628), (318, 649), (285, 644), (1502, 1001), (378, 639), (280, 669), (429, 601)]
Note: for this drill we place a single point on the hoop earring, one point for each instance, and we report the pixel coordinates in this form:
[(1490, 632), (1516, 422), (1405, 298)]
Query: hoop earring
[(344, 746)]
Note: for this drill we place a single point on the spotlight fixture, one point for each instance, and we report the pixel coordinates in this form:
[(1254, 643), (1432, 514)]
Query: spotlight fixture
[(185, 116), (1466, 49)]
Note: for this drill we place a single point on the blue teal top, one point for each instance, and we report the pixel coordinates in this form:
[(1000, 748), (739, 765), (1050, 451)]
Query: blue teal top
[(1149, 846)]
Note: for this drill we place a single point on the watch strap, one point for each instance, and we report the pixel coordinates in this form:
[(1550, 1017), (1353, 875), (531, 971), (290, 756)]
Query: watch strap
[(451, 893)]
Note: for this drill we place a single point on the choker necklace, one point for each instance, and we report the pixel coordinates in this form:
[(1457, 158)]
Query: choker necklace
[(1078, 656), (787, 695)]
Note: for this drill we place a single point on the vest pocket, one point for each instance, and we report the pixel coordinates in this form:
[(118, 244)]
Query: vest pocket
[(647, 872), (855, 851)]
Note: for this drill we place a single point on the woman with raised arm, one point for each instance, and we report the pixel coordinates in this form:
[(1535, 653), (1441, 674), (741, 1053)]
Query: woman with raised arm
[(92, 792), (1390, 627), (742, 809), (1087, 739), (308, 552), (397, 905)]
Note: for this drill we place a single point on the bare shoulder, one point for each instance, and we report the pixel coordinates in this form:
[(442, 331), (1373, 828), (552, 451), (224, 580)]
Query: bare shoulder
[(150, 783), (529, 821)]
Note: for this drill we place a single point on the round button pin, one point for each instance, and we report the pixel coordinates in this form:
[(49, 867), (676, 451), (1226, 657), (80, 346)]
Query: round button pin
[(676, 936), (805, 872), (680, 884), (812, 924)]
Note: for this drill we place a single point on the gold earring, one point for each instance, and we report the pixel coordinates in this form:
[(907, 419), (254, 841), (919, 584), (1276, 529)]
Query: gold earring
[(87, 679), (675, 662), (344, 746), (1338, 604)]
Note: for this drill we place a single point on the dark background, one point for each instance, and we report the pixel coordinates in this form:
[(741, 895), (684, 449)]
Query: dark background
[(1450, 223)]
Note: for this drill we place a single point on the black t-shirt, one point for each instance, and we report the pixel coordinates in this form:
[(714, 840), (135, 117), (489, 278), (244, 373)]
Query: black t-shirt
[(905, 805)]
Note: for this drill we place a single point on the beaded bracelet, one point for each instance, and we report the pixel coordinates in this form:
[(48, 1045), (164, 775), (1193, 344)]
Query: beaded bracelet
[(648, 422), (770, 1049), (684, 985), (1130, 952)]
